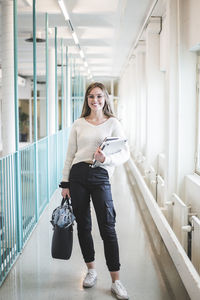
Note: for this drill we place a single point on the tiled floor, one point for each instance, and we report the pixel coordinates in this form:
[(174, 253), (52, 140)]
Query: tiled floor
[(146, 271)]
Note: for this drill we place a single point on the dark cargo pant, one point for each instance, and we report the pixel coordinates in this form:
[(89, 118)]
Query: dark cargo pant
[(85, 182)]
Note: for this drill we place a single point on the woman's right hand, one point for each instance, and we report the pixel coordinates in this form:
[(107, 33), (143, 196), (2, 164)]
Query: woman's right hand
[(65, 192)]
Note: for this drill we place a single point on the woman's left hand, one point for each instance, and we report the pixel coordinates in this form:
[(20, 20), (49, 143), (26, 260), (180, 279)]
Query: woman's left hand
[(99, 156)]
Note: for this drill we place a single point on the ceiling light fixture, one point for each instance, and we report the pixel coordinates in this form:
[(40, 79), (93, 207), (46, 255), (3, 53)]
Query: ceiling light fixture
[(75, 38), (81, 53), (74, 35), (64, 9)]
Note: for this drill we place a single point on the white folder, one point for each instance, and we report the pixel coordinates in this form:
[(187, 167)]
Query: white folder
[(109, 146)]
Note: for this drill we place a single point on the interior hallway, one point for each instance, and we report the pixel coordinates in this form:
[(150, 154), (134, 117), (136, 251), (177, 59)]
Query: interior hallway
[(147, 271)]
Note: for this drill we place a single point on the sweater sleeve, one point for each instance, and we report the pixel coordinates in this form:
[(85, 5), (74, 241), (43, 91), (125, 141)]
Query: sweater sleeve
[(119, 157), (71, 151)]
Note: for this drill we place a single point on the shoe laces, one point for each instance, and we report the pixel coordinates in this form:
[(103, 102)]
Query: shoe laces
[(91, 275), (120, 286)]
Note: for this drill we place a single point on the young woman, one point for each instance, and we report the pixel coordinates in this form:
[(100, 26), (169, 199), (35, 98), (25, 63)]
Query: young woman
[(80, 181)]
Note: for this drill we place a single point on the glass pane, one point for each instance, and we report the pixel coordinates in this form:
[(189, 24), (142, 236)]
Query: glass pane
[(41, 75), (25, 72), (0, 92)]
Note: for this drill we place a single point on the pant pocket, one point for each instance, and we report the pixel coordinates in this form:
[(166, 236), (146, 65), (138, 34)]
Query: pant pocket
[(110, 213)]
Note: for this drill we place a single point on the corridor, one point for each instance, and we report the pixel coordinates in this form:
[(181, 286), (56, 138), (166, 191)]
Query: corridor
[(36, 276)]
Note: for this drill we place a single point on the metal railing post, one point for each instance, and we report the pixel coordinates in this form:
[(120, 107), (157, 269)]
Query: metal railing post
[(47, 100), (35, 110), (56, 103), (67, 82), (62, 87), (17, 155)]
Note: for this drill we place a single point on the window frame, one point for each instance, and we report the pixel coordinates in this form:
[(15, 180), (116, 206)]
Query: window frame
[(197, 152)]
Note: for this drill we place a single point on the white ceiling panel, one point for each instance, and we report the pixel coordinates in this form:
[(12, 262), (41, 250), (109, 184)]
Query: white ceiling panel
[(96, 32), (94, 6), (97, 50), (106, 30), (99, 61)]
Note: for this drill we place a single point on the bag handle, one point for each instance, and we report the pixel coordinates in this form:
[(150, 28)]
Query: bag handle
[(66, 199)]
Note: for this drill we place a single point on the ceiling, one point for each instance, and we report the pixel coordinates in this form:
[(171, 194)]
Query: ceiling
[(106, 30)]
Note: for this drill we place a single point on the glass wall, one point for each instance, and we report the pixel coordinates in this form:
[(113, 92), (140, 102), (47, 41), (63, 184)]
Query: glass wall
[(0, 87), (25, 73)]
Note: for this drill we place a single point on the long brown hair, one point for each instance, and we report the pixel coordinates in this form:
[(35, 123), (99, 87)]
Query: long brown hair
[(107, 110)]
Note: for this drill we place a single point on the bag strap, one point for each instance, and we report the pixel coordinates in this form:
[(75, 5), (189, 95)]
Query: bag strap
[(66, 199)]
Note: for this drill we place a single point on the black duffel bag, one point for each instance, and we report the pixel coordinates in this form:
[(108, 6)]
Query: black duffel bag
[(62, 221)]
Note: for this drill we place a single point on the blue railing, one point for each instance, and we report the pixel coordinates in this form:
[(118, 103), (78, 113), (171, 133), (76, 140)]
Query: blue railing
[(27, 163), (51, 154), (42, 175), (52, 165), (8, 215)]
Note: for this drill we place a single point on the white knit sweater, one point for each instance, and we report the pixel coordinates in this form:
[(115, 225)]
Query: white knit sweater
[(85, 138)]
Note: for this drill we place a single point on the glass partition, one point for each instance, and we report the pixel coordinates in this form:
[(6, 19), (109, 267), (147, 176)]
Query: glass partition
[(0, 89), (25, 73), (41, 75)]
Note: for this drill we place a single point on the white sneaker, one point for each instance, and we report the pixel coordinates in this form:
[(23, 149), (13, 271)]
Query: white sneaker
[(119, 290), (90, 278)]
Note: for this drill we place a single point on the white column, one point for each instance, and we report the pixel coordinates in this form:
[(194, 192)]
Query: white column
[(42, 111), (141, 97), (187, 99), (0, 121), (30, 120), (7, 63), (112, 93), (155, 125), (64, 97), (51, 91), (172, 95), (132, 107), (68, 98)]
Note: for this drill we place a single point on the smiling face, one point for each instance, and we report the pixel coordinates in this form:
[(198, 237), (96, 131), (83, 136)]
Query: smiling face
[(96, 99)]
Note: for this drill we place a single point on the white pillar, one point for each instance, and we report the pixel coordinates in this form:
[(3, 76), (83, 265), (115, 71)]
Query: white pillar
[(42, 111), (112, 94), (0, 122), (68, 98), (140, 97), (172, 95), (30, 120), (51, 91), (64, 97), (7, 63), (155, 125), (187, 99)]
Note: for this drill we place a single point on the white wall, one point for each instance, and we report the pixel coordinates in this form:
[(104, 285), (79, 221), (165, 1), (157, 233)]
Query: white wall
[(167, 71), (127, 109), (155, 126), (192, 22), (168, 80), (187, 99)]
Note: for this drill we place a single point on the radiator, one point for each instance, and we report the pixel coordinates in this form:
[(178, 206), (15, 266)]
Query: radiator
[(141, 163), (161, 165), (160, 191), (196, 242), (185, 267), (180, 219), (152, 181)]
